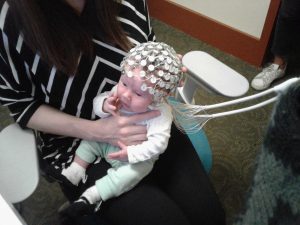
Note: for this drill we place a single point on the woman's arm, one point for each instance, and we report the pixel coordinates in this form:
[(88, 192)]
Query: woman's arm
[(110, 130)]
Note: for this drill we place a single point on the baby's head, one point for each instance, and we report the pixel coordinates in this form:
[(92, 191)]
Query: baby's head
[(157, 65)]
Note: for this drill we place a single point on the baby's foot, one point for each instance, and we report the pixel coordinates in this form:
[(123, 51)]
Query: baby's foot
[(75, 173), (55, 174), (92, 195)]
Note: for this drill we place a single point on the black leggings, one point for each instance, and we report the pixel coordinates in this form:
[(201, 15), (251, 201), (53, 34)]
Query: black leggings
[(177, 191), (287, 28)]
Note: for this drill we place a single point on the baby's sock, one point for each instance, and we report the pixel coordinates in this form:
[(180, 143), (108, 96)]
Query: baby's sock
[(74, 173), (92, 195)]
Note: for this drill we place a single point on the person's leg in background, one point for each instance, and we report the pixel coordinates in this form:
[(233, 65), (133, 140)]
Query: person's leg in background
[(286, 29), (181, 175)]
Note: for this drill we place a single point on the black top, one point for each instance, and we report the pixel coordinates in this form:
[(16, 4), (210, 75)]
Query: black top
[(26, 81)]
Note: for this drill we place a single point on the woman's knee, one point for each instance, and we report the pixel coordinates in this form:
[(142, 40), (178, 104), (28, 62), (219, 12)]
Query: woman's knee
[(144, 205)]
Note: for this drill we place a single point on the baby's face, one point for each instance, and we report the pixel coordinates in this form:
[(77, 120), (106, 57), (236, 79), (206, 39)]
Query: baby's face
[(130, 95)]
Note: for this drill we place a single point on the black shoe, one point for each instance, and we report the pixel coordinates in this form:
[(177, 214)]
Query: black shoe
[(80, 212), (80, 207)]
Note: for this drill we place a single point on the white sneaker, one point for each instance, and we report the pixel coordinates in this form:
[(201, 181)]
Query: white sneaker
[(264, 79)]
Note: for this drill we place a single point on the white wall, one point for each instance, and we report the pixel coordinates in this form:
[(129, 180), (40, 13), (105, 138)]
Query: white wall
[(247, 16)]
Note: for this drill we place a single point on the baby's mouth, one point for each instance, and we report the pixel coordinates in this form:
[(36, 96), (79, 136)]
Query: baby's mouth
[(124, 105)]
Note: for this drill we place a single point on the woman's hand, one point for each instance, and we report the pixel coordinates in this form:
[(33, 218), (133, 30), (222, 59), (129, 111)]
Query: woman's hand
[(118, 128), (183, 69)]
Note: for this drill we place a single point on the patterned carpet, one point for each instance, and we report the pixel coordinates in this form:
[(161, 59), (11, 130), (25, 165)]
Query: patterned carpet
[(235, 140)]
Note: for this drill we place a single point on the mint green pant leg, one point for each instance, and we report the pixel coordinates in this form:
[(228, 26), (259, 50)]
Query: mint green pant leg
[(89, 150), (123, 178)]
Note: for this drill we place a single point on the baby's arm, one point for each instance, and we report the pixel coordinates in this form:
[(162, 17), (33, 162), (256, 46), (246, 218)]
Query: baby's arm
[(105, 104), (110, 105), (121, 155)]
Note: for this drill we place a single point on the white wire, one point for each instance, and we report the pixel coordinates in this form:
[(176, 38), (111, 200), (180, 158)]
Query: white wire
[(258, 105), (278, 88), (190, 118), (239, 100)]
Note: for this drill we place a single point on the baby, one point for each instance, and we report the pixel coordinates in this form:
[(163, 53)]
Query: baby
[(150, 72)]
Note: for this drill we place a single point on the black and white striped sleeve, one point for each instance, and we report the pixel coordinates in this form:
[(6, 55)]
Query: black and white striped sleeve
[(135, 20), (16, 87)]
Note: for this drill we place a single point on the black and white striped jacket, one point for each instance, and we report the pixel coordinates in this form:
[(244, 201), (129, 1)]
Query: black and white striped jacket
[(26, 81)]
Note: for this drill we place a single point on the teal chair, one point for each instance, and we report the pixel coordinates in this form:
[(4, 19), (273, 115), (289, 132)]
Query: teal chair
[(206, 72), (202, 147)]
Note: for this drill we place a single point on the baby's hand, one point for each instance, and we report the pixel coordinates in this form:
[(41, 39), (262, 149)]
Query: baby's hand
[(121, 155), (111, 105)]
